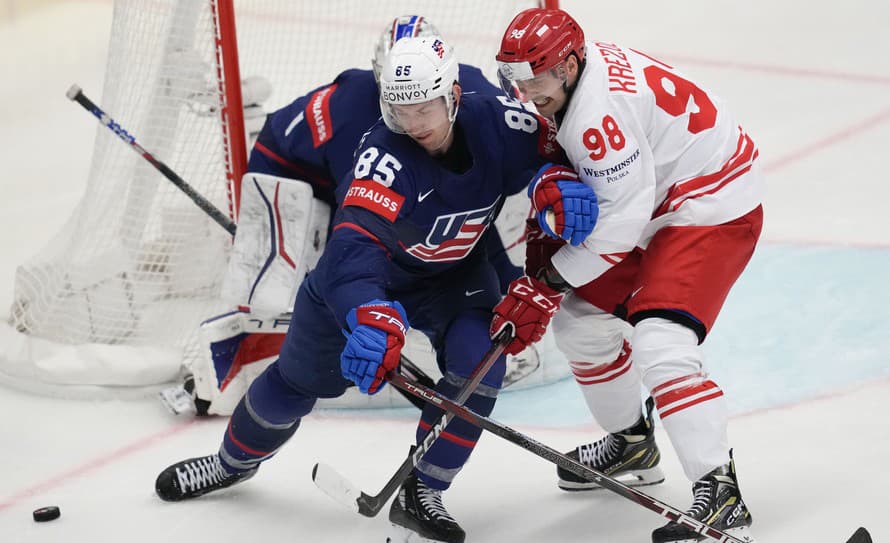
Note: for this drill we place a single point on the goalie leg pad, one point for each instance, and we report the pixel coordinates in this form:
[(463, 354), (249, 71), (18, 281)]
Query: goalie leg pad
[(282, 231), (240, 346)]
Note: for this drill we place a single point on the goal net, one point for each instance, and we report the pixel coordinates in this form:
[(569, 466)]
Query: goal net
[(114, 301)]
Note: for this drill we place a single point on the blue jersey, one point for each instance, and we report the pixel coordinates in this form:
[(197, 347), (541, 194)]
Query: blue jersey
[(314, 137), (406, 221)]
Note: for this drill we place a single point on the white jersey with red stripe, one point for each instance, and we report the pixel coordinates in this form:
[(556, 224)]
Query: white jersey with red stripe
[(657, 149)]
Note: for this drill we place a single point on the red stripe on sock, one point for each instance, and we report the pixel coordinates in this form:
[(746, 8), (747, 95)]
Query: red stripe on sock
[(242, 446), (697, 401), (425, 426), (672, 382), (586, 374), (590, 376), (681, 393)]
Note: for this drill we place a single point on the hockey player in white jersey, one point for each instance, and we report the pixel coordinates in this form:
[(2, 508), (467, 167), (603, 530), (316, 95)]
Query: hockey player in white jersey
[(679, 194)]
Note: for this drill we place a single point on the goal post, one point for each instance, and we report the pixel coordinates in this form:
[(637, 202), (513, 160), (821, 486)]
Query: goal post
[(113, 303)]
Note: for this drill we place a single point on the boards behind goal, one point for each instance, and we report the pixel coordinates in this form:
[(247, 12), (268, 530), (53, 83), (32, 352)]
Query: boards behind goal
[(111, 306)]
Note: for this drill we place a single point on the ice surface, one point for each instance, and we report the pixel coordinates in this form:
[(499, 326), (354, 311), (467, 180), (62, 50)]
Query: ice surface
[(800, 348)]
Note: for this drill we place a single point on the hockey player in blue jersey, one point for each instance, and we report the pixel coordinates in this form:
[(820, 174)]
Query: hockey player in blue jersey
[(405, 251), (314, 137), (312, 140)]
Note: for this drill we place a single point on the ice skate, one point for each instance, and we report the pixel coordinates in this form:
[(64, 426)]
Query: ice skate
[(195, 477), (631, 456), (418, 516), (717, 502)]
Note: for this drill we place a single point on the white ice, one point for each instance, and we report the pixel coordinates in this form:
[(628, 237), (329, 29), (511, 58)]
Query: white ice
[(800, 347)]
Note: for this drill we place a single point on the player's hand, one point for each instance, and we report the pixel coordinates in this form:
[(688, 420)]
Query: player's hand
[(374, 344), (573, 203), (528, 307), (539, 248)]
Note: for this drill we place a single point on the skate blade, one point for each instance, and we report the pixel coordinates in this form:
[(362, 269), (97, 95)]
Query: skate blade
[(637, 477), (400, 534), (743, 533)]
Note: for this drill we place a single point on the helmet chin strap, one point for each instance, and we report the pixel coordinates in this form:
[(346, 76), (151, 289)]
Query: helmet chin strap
[(451, 118), (569, 91), (436, 150)]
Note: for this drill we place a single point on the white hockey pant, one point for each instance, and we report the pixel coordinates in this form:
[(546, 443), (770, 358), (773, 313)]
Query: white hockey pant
[(667, 359)]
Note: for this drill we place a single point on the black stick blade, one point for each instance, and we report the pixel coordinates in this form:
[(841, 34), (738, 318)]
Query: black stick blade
[(860, 536)]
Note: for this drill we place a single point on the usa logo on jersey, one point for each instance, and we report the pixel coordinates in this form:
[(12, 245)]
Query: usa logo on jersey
[(453, 236)]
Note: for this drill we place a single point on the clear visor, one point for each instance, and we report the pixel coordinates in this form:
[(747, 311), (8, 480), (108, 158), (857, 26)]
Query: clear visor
[(519, 83), (417, 120)]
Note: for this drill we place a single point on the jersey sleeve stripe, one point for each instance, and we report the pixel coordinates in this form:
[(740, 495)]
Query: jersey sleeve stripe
[(360, 230), (302, 172)]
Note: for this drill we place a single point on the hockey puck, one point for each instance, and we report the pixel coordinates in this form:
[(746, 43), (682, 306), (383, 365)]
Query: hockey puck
[(45, 514)]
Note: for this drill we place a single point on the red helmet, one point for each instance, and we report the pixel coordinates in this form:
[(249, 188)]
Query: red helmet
[(537, 40)]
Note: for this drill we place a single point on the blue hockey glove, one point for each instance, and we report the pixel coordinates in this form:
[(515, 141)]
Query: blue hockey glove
[(374, 344), (574, 205)]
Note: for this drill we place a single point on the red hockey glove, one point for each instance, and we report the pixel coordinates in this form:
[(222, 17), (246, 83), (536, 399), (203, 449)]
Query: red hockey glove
[(528, 307), (539, 249)]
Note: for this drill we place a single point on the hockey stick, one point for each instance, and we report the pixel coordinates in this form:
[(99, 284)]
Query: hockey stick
[(76, 94), (860, 536), (341, 490), (552, 455), (413, 371), (561, 460)]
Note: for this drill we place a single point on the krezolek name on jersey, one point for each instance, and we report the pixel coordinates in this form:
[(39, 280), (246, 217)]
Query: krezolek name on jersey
[(621, 75)]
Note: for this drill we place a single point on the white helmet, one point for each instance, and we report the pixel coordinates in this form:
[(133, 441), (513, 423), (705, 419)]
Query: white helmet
[(418, 70), (404, 26)]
